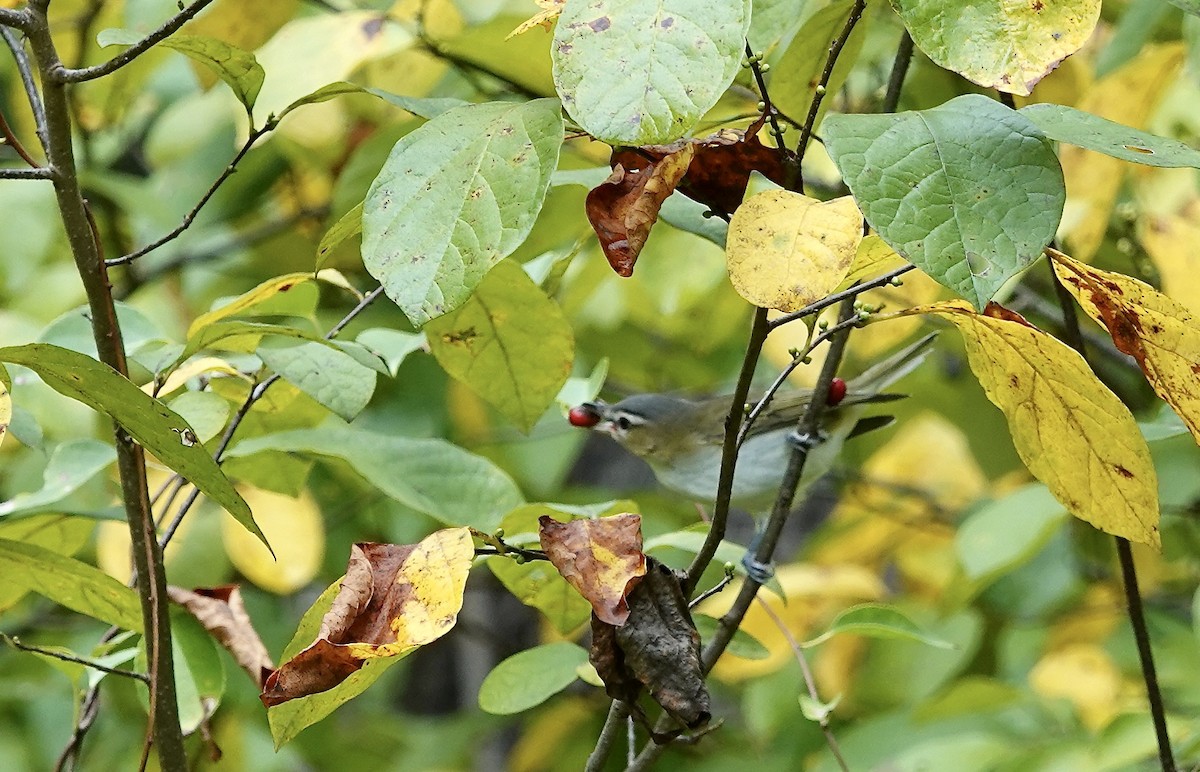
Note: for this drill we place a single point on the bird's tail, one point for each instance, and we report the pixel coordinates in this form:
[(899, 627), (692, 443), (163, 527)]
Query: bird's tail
[(884, 373)]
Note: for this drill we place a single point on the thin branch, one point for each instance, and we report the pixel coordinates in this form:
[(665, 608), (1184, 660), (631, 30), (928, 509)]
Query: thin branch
[(810, 683), (65, 657), (257, 393), (106, 329), (190, 217), (835, 50), (768, 108), (63, 74), (10, 18), (618, 712), (904, 52), (1133, 597), (10, 138), (716, 588), (40, 173), (834, 299), (25, 69)]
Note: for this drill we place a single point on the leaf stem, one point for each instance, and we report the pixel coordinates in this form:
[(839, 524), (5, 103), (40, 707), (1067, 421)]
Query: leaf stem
[(904, 52), (65, 657)]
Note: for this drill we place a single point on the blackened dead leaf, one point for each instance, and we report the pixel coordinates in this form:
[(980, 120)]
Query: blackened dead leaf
[(721, 168), (221, 611), (657, 648), (393, 599), (602, 559)]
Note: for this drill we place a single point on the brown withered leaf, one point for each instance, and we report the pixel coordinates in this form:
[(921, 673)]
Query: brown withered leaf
[(393, 599), (221, 611), (657, 648), (721, 168), (623, 208), (602, 559)]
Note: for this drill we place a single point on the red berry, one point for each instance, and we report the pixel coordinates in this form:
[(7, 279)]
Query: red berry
[(583, 416), (837, 392)]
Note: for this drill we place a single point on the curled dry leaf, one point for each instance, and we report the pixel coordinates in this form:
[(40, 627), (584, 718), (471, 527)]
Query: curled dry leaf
[(714, 170), (602, 559), (551, 10), (393, 599), (657, 648), (221, 611), (623, 208), (1147, 325)]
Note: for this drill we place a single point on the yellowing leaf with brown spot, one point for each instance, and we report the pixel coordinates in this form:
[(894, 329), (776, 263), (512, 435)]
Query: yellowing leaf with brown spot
[(394, 598), (1147, 325), (295, 523), (600, 558), (786, 250), (1071, 431), (872, 259), (1126, 96), (1085, 675), (1171, 242)]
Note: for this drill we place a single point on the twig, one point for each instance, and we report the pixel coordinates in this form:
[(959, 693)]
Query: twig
[(1133, 597), (10, 18), (255, 135), (716, 588), (65, 657), (768, 108), (904, 52), (40, 173), (31, 92), (810, 683), (618, 712), (10, 138), (63, 74), (835, 50), (834, 299), (254, 396)]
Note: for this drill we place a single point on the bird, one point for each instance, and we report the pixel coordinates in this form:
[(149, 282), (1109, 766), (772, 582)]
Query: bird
[(682, 439)]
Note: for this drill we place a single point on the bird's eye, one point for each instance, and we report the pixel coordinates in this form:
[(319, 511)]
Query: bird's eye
[(624, 423)]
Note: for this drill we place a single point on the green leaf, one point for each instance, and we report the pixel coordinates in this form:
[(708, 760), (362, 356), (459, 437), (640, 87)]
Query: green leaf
[(1007, 532), (455, 197), (238, 68), (147, 420), (797, 72), (422, 107), (70, 466), (970, 192), (71, 583), (1076, 127), (509, 343), (199, 674), (998, 44), (636, 73), (294, 716), (743, 644), (538, 585), (687, 215), (327, 374), (875, 620), (206, 412), (530, 677), (264, 300), (392, 346), (1190, 6), (62, 534), (348, 226), (432, 476)]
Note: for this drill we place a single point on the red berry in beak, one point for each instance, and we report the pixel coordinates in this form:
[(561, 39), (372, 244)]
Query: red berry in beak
[(583, 416), (837, 392)]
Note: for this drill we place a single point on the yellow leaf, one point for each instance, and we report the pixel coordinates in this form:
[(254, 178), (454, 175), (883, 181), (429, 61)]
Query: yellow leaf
[(1147, 325), (1170, 241), (295, 530), (1071, 431), (262, 292), (786, 250), (1126, 96), (189, 370), (1085, 675), (872, 259), (543, 18)]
